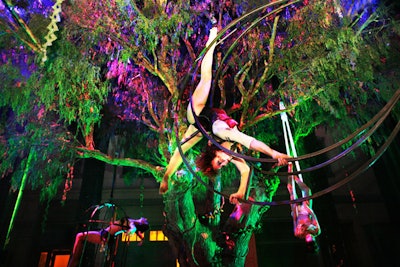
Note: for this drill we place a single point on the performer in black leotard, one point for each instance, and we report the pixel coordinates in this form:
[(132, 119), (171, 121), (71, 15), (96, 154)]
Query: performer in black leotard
[(221, 126)]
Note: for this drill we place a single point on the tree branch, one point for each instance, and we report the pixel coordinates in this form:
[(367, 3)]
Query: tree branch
[(85, 153)]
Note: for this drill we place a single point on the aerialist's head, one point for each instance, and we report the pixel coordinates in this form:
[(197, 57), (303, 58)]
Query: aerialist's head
[(212, 160), (305, 228)]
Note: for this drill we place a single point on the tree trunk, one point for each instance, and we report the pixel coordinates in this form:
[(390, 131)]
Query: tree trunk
[(199, 234)]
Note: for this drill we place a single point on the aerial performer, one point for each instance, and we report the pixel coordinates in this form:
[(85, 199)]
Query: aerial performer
[(105, 236), (305, 222), (223, 127)]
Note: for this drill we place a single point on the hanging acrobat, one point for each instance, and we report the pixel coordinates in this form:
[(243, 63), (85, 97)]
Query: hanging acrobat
[(305, 222)]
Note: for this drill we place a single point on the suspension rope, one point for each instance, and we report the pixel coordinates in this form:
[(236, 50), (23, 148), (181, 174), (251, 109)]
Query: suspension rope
[(291, 150), (289, 142)]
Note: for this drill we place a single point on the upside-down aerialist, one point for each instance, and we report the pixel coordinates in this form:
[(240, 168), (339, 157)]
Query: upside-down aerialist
[(222, 126), (305, 222)]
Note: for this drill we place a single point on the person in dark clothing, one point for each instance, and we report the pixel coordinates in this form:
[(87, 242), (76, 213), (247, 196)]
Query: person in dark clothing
[(222, 126)]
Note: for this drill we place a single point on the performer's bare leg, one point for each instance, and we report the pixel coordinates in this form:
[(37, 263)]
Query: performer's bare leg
[(199, 100)]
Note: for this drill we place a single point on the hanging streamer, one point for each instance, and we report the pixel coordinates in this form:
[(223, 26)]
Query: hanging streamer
[(51, 37)]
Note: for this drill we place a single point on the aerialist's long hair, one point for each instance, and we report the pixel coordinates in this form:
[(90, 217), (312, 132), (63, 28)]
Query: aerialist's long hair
[(203, 162)]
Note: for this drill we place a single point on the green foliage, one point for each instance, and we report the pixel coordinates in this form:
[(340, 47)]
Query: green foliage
[(73, 86), (271, 185), (50, 146), (150, 31), (7, 40), (10, 77)]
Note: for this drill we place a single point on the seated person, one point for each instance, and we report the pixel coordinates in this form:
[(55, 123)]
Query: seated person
[(125, 224)]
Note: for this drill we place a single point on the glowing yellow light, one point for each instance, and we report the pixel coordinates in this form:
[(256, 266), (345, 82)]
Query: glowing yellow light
[(130, 237), (157, 236)]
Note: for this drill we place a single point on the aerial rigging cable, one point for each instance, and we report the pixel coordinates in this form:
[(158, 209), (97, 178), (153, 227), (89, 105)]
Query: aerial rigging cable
[(289, 143)]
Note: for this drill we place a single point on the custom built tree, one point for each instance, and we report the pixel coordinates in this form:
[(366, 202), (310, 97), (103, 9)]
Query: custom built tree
[(126, 68)]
